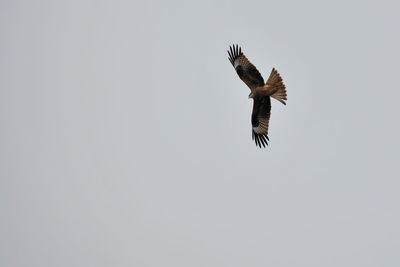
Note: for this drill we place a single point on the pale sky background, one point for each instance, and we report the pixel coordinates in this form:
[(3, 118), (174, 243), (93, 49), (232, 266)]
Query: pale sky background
[(126, 137)]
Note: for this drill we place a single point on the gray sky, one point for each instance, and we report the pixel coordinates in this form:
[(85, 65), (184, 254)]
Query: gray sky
[(126, 137)]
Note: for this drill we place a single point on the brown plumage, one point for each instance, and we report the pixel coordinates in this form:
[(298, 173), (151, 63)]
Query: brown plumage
[(260, 92)]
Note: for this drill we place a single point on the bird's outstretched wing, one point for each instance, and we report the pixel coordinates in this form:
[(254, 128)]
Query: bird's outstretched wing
[(260, 120), (246, 71)]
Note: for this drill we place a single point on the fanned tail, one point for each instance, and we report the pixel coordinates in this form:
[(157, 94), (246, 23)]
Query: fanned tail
[(275, 81)]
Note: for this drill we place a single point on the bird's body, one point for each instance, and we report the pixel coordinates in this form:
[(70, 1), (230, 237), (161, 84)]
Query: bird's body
[(261, 93)]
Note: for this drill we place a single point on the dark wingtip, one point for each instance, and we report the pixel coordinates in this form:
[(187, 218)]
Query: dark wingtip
[(260, 139), (234, 52), (263, 140)]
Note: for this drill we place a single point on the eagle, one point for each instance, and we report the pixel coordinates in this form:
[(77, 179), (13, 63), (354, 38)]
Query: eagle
[(261, 93)]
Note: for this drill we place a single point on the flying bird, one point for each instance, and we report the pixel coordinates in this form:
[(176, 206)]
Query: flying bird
[(261, 92)]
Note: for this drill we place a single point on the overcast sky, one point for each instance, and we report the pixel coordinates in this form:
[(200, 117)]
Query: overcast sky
[(125, 134)]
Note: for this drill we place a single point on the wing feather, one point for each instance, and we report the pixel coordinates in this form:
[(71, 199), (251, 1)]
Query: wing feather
[(247, 72), (260, 120)]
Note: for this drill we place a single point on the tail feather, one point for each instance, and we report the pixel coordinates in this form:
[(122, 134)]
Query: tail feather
[(275, 81)]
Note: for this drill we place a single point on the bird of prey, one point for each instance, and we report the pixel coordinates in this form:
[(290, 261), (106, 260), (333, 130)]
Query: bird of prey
[(261, 93)]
